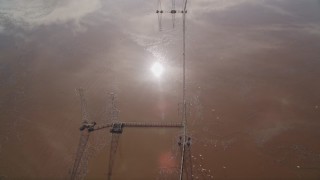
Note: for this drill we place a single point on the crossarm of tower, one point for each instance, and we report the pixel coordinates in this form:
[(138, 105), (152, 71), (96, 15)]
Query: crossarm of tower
[(143, 124)]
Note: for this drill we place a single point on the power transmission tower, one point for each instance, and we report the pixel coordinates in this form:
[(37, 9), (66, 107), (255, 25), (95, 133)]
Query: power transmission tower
[(80, 163), (115, 131), (187, 165), (116, 128)]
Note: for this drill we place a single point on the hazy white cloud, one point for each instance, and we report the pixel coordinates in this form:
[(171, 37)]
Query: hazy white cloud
[(218, 5), (307, 28), (312, 29), (206, 6), (264, 135), (276, 9), (35, 13), (1, 29)]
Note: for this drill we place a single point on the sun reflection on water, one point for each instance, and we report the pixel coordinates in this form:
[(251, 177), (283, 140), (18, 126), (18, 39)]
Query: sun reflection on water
[(157, 69)]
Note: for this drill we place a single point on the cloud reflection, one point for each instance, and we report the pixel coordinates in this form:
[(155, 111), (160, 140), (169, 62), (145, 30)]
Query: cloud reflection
[(30, 14)]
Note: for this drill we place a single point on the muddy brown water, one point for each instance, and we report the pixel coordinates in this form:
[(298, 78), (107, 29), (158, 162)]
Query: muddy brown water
[(253, 71)]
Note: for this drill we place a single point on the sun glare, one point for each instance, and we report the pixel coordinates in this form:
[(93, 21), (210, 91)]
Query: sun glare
[(157, 69)]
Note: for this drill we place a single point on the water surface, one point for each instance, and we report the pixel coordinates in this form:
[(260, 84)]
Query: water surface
[(252, 85)]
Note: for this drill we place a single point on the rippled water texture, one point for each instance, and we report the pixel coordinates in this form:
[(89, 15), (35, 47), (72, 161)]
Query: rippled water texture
[(252, 73)]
